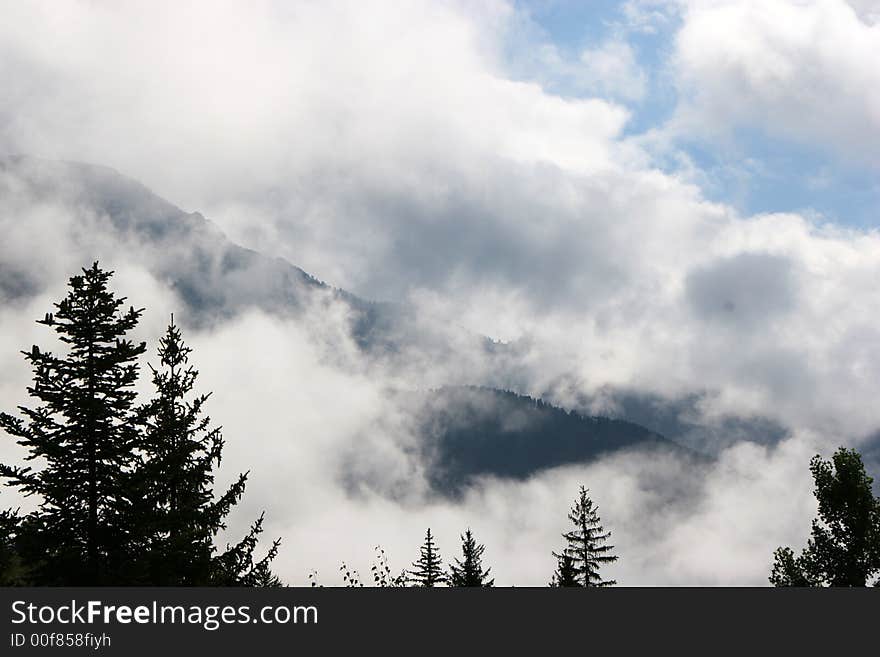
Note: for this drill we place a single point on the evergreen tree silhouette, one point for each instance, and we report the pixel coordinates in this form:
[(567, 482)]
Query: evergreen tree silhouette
[(468, 571), (177, 514), (83, 432), (12, 571), (844, 546), (236, 565), (8, 523), (428, 570), (566, 574), (586, 543)]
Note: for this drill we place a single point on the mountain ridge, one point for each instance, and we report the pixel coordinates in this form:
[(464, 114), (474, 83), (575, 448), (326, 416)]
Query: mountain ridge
[(215, 279), (473, 431)]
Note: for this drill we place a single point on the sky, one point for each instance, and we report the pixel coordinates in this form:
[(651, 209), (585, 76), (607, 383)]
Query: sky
[(673, 197), (751, 161)]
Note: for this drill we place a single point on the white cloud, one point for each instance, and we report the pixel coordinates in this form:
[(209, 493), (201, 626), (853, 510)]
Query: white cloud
[(383, 147), (609, 70), (612, 69), (804, 71), (673, 522), (868, 10), (304, 413)]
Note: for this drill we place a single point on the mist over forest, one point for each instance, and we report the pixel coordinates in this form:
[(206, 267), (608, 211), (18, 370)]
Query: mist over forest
[(442, 264)]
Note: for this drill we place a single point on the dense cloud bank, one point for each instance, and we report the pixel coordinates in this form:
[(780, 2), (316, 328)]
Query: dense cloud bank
[(800, 70), (390, 150)]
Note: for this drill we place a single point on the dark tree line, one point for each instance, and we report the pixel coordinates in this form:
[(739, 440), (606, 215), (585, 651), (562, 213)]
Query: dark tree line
[(124, 494), (578, 564), (843, 549), (428, 570)]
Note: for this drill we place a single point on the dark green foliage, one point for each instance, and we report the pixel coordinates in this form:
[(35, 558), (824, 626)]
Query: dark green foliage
[(8, 525), (790, 570), (585, 545), (12, 571), (468, 571), (178, 517), (236, 565), (566, 574), (125, 493), (428, 570), (83, 431), (481, 431), (844, 546)]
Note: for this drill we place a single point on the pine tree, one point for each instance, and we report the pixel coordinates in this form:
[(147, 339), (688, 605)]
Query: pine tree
[(12, 572), (236, 565), (469, 570), (566, 574), (428, 570), (178, 515), (83, 432), (586, 543), (8, 524), (844, 546)]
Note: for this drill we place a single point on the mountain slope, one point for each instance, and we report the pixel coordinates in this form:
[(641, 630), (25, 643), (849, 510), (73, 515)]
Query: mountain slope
[(472, 431), (214, 278), (103, 214)]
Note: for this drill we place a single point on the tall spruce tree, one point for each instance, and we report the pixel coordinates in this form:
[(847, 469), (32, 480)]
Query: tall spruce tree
[(179, 518), (83, 433), (468, 571), (428, 570), (566, 574), (586, 543), (844, 546)]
